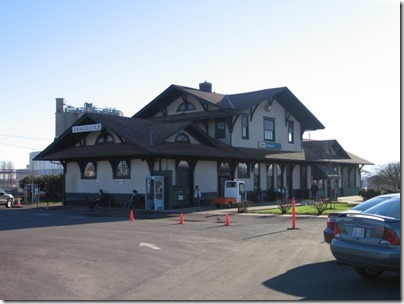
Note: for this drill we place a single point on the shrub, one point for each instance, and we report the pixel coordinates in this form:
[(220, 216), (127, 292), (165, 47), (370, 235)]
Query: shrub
[(284, 205), (321, 205), (243, 206), (368, 193)]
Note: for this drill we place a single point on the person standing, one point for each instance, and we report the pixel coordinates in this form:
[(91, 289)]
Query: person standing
[(257, 195), (197, 197), (133, 199), (314, 189)]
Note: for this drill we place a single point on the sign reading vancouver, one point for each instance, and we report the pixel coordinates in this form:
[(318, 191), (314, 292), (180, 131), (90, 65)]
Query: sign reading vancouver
[(86, 128)]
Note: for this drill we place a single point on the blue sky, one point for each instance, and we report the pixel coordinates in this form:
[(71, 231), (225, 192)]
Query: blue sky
[(340, 58)]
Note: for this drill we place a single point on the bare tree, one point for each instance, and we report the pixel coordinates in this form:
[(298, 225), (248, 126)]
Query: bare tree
[(7, 174), (388, 177)]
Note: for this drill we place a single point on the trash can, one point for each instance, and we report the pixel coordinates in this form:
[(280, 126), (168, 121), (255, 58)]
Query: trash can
[(179, 198)]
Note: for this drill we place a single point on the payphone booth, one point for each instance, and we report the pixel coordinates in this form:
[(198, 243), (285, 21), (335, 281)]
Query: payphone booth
[(154, 193)]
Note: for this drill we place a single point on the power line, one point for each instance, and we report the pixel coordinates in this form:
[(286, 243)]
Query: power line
[(24, 137), (30, 148)]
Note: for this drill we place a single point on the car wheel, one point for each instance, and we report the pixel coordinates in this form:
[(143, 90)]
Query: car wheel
[(9, 203), (368, 273)]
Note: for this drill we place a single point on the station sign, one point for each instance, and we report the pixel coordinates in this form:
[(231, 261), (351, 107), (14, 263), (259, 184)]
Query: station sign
[(86, 128), (269, 145)]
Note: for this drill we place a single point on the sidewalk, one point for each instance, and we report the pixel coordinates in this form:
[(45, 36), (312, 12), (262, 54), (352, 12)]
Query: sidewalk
[(351, 199)]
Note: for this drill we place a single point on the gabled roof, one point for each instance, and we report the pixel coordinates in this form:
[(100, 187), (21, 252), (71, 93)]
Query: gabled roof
[(234, 104), (140, 136), (324, 149), (147, 137), (330, 151), (170, 94)]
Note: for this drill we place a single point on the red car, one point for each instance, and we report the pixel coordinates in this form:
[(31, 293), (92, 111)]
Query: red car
[(329, 230)]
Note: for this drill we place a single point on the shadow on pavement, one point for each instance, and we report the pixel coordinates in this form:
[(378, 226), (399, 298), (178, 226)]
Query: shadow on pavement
[(29, 216), (334, 283)]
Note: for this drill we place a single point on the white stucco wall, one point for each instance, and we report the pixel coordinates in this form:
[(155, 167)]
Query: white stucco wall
[(105, 180), (256, 129), (296, 177), (206, 176)]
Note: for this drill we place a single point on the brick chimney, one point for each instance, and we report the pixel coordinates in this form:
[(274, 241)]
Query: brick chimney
[(206, 87)]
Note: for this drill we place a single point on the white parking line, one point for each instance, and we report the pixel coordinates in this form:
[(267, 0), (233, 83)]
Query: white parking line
[(149, 246)]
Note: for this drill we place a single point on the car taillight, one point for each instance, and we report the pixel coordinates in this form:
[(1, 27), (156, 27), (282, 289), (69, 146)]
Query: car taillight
[(336, 230), (390, 237), (329, 222)]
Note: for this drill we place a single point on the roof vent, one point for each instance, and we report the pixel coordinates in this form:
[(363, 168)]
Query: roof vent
[(206, 87)]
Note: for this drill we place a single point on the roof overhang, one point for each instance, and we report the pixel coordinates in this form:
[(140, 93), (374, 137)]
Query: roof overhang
[(323, 171)]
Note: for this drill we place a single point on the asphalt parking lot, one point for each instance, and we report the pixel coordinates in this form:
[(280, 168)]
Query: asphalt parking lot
[(81, 254)]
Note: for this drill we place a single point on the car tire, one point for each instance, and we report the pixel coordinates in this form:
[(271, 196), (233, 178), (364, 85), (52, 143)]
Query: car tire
[(368, 273), (9, 203)]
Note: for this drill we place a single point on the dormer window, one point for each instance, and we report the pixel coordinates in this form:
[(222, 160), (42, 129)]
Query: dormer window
[(182, 137), (186, 106), (105, 139)]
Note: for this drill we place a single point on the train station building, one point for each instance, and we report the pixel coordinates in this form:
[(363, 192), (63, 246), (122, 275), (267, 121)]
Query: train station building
[(193, 136)]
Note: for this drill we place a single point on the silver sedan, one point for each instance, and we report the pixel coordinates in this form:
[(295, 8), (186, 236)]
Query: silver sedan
[(370, 241)]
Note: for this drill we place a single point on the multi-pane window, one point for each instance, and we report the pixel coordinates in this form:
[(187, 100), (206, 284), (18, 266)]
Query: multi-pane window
[(290, 132), (220, 128), (186, 106), (244, 126), (105, 138), (89, 170), (269, 129), (182, 137)]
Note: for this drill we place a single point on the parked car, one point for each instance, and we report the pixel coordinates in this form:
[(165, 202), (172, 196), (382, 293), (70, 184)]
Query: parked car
[(6, 199), (370, 241), (329, 229)]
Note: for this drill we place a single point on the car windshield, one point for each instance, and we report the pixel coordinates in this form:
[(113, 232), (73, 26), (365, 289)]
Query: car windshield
[(371, 202), (390, 208)]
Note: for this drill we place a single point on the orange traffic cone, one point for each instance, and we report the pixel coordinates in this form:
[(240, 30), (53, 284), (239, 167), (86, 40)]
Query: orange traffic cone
[(227, 220), (181, 219), (18, 203), (131, 216)]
